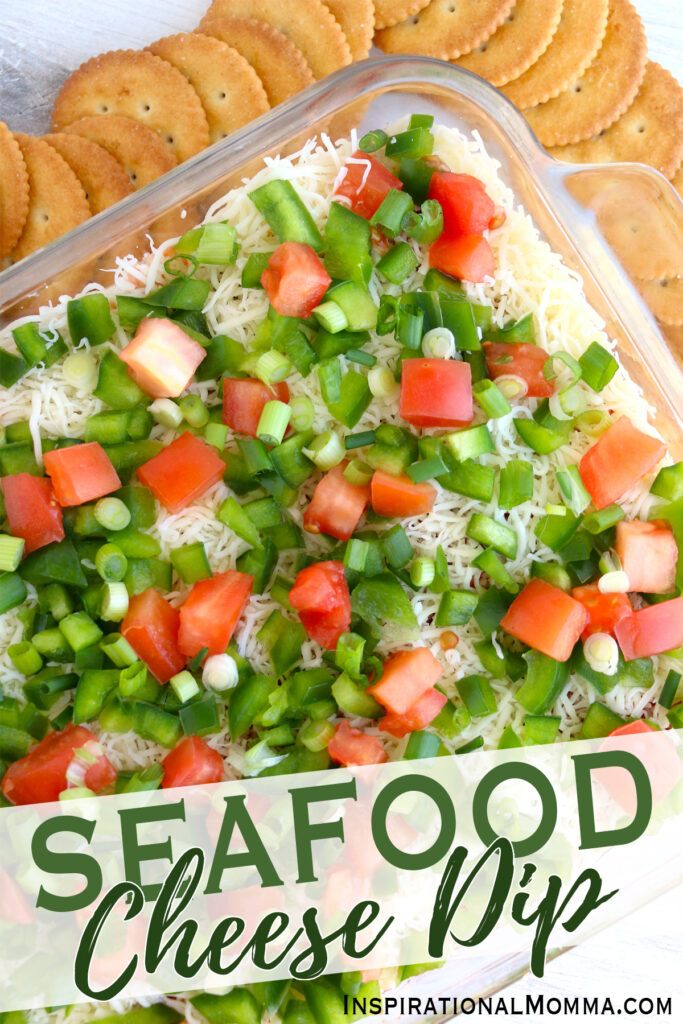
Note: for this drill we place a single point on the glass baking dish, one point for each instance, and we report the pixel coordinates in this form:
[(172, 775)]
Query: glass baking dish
[(571, 205)]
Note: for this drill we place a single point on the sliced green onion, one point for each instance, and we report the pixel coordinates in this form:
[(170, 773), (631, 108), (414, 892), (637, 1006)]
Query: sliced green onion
[(272, 367), (609, 562), (670, 689), (391, 211), (213, 244), (80, 370), (470, 443), (220, 672), (111, 563), (358, 473), (194, 411), (331, 316), (25, 657), (113, 602), (329, 375), (512, 386), (551, 373), (356, 554), (426, 225), (184, 685), (166, 412), (598, 366), (593, 422), (216, 434), (415, 142), (11, 550), (427, 469), (359, 440), (409, 323), (602, 653), (603, 519), (303, 413), (118, 650), (273, 422), (556, 510), (76, 793), (316, 735), (566, 404), (356, 355), (491, 399), (439, 343), (372, 141), (326, 450), (112, 514), (614, 583), (422, 572), (397, 263), (381, 382), (574, 494), (387, 315)]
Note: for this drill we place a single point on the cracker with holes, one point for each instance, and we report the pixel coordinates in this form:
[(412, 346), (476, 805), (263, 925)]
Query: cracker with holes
[(665, 299), (142, 153), (57, 201), (650, 132), (280, 64), (606, 88), (356, 19), (576, 42), (390, 12), (138, 85), (308, 23), (445, 28), (14, 194), (101, 175), (517, 44), (229, 89)]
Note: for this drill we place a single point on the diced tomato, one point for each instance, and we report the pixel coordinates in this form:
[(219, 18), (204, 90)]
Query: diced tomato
[(546, 618), (243, 401), (353, 746), (161, 358), (295, 279), (80, 473), (181, 473), (192, 763), (398, 497), (416, 717), (617, 461), (336, 505), (212, 610), (436, 393), (407, 676), (41, 775), (366, 183), (321, 597), (648, 553), (604, 610), (151, 628), (523, 360), (468, 257), (651, 630), (467, 209), (657, 755), (32, 510)]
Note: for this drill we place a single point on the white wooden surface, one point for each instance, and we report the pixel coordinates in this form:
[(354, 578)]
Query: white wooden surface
[(642, 956)]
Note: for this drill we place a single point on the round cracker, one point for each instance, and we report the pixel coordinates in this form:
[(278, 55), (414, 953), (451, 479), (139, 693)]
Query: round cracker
[(14, 191), (57, 200), (308, 23), (677, 180), (575, 44), (230, 91), (101, 175), (445, 28), (356, 19), (604, 91), (665, 299), (142, 153), (389, 12), (139, 85), (650, 132), (517, 44), (280, 64)]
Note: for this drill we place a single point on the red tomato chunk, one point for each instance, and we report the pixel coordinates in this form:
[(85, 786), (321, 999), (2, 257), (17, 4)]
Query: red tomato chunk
[(80, 473), (32, 510), (211, 612), (648, 554), (366, 183), (41, 775), (162, 358), (604, 610), (181, 473), (468, 257), (295, 279), (436, 393), (336, 506), (151, 628), (467, 209), (397, 497), (321, 597), (244, 399), (618, 460), (522, 360), (353, 746), (192, 763), (407, 677), (546, 618), (651, 630), (416, 717)]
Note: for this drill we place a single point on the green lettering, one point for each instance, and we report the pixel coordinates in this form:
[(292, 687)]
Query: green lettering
[(237, 815), (429, 787), (66, 863), (591, 839), (135, 854), (305, 832)]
